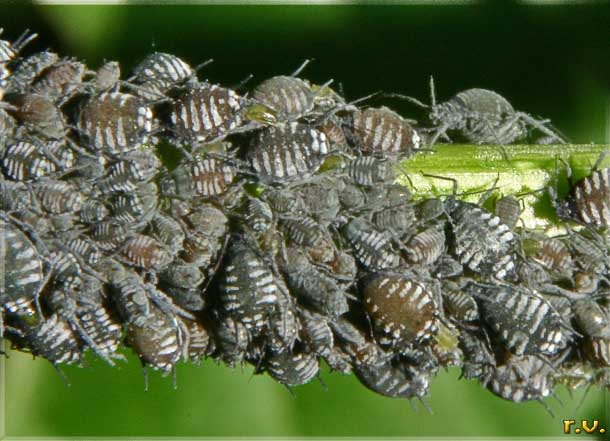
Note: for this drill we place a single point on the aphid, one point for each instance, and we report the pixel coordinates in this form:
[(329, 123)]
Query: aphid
[(54, 340), (402, 309), (107, 77), (591, 251), (372, 248), (200, 344), (60, 80), (399, 220), (287, 152), (182, 275), (169, 231), (376, 369), (460, 305), (203, 177), (292, 98), (158, 72), (146, 252), (25, 161), (480, 241), (258, 215), (482, 116), (7, 125), (554, 255), (368, 171), (109, 235), (58, 196), (93, 211), (22, 273), (28, 69), (522, 319), (284, 201), (292, 368), (40, 115), (521, 379), (382, 133), (311, 235), (249, 291), (593, 320), (312, 286), (115, 122), (508, 209), (139, 165), (322, 199), (426, 247), (445, 346), (232, 340), (316, 333), (64, 266), (189, 299), (207, 113), (590, 199), (479, 358)]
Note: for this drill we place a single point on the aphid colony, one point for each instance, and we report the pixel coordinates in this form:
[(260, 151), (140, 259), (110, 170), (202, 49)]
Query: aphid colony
[(279, 237)]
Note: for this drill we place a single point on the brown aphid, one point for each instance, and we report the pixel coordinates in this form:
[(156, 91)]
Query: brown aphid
[(401, 308), (39, 114), (60, 80), (426, 247), (383, 133), (115, 122), (554, 255), (591, 198), (156, 339), (508, 209), (203, 177), (146, 252), (200, 345)]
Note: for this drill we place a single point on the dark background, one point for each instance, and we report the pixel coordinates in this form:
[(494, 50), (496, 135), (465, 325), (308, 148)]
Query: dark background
[(550, 61)]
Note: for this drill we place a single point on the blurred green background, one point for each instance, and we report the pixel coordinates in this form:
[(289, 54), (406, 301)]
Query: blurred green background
[(547, 60)]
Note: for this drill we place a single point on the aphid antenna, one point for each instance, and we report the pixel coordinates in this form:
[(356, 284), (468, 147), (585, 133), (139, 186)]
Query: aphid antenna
[(201, 66), (322, 87), (410, 99), (600, 159), (301, 67), (145, 375), (24, 39), (242, 83)]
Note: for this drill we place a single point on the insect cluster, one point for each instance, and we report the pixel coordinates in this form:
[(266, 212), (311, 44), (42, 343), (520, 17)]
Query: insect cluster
[(279, 238)]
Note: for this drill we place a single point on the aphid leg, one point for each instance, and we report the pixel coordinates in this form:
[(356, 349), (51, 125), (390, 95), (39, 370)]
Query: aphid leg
[(242, 83), (600, 159), (62, 375), (96, 349), (540, 126), (24, 39)]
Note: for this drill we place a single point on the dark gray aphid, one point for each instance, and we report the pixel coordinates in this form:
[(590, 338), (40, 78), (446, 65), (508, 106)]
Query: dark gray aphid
[(480, 241), (93, 211), (482, 116), (372, 248), (382, 133), (521, 379), (284, 201), (312, 236), (522, 319), (22, 275), (322, 199), (54, 340), (58, 197), (287, 152), (594, 321), (25, 161), (368, 171), (158, 72), (312, 286), (589, 200), (115, 122), (398, 219), (27, 69), (258, 215), (169, 231), (249, 291), (109, 235), (459, 304), (292, 368)]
